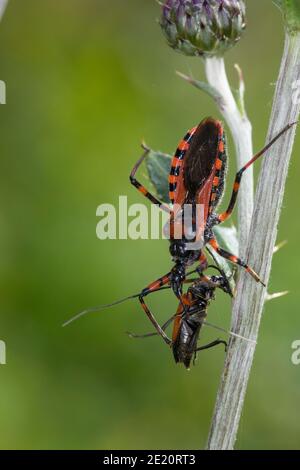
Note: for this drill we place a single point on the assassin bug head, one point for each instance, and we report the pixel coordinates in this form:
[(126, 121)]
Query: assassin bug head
[(178, 250)]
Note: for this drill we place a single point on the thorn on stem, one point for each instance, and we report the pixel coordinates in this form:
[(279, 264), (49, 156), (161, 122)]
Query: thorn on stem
[(276, 295), (279, 246)]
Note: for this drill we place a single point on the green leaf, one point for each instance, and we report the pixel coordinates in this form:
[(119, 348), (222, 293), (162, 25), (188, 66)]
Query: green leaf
[(158, 166), (291, 12), (203, 86), (227, 236)]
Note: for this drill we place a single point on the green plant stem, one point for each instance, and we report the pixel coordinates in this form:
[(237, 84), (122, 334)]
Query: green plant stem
[(241, 131), (3, 4), (248, 305)]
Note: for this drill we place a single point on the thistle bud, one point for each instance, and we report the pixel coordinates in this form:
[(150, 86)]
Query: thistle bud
[(203, 27)]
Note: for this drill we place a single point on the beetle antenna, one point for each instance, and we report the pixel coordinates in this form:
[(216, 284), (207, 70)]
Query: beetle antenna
[(228, 332)]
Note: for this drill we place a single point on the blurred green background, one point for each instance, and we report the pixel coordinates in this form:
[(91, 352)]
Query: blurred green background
[(86, 81)]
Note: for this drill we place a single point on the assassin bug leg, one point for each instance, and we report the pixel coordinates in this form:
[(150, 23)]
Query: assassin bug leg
[(148, 290), (154, 287), (142, 188), (162, 281), (154, 322), (203, 263), (225, 215), (234, 259)]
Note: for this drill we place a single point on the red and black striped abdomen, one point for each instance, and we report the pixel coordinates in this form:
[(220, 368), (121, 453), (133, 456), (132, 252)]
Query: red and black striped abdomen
[(220, 167), (175, 178), (200, 158)]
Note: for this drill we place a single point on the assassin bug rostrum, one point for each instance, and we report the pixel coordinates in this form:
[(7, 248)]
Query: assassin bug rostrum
[(187, 323), (197, 177)]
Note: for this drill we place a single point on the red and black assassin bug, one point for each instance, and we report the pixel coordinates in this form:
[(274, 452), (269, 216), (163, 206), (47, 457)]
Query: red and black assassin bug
[(196, 177), (189, 321)]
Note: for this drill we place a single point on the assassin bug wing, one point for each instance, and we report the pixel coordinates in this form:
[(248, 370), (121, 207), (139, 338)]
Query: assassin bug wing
[(206, 165), (195, 160), (201, 156), (191, 164), (204, 170), (193, 170), (213, 154)]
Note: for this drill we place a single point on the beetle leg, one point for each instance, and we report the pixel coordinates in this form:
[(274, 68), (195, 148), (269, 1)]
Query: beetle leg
[(212, 345)]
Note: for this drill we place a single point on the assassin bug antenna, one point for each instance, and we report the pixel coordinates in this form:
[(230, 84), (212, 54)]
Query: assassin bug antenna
[(140, 296), (98, 309)]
